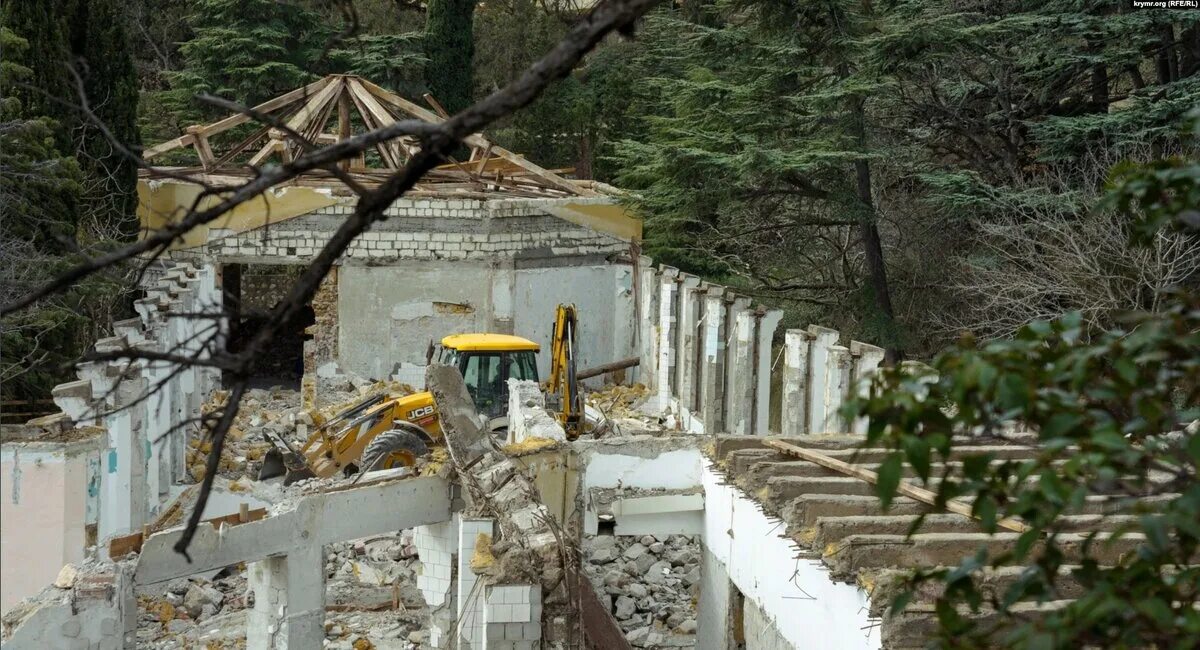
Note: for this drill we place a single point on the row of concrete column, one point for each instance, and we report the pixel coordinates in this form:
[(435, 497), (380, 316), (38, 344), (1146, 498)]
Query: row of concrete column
[(706, 356), (818, 377), (705, 352), (147, 408)]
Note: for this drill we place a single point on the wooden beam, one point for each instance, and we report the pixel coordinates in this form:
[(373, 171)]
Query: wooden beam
[(236, 119), (344, 124), (909, 490), (437, 107)]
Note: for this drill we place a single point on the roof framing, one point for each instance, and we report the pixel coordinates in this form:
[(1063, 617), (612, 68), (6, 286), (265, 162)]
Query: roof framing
[(324, 111)]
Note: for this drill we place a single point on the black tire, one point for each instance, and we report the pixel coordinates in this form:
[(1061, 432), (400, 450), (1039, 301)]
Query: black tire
[(402, 438)]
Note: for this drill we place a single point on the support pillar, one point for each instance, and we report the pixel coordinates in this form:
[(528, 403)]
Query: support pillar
[(686, 339), (663, 383), (648, 295), (712, 363), (739, 413), (866, 363), (289, 601), (731, 393), (795, 383), (822, 339), (837, 389), (767, 323)]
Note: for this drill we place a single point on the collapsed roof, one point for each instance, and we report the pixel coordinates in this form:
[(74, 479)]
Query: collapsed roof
[(230, 149)]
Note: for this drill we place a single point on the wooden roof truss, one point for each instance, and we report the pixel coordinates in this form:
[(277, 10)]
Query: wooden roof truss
[(323, 113)]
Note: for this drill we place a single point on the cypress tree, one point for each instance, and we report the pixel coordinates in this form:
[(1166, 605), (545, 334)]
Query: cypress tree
[(450, 49), (101, 47)]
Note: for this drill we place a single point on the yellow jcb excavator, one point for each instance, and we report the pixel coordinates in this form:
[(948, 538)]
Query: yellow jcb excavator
[(391, 430)]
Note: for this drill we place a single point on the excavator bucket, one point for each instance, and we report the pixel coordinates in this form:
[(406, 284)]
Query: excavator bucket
[(272, 465)]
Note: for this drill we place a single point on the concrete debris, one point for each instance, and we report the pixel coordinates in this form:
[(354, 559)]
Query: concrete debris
[(372, 601), (652, 583), (66, 577)]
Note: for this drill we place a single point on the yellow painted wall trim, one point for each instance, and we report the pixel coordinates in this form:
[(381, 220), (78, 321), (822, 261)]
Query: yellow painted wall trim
[(162, 202)]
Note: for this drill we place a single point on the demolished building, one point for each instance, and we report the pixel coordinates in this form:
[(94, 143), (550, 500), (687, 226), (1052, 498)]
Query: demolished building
[(680, 528)]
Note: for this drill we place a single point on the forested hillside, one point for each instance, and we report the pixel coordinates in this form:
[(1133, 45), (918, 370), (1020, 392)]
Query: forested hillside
[(901, 170)]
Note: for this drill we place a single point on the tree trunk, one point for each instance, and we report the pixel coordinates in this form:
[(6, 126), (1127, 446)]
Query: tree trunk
[(876, 269)]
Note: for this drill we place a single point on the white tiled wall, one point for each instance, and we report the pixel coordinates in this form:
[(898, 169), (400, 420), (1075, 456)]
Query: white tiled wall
[(470, 593), (513, 617)]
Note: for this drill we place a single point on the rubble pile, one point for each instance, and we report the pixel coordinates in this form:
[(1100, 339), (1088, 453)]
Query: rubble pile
[(194, 612), (626, 411), (372, 601), (651, 584)]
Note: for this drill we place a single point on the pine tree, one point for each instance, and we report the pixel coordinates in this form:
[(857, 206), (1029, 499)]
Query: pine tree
[(247, 51), (757, 153), (39, 25), (450, 51)]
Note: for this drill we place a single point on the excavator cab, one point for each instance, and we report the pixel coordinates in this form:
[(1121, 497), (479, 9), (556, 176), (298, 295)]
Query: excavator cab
[(487, 362)]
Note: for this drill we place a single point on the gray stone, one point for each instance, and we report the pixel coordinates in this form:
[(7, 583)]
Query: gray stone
[(692, 576), (178, 626), (637, 590), (648, 540), (656, 548), (688, 626), (639, 636), (198, 596), (644, 563), (625, 607), (634, 552), (657, 572)]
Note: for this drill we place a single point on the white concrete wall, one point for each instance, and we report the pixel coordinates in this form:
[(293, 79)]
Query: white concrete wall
[(607, 465), (388, 314), (43, 494), (795, 596)]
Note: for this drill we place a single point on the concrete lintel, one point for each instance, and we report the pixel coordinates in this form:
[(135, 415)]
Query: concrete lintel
[(651, 505), (316, 519)]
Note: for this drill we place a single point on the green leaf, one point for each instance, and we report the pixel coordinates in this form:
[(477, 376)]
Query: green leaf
[(889, 479)]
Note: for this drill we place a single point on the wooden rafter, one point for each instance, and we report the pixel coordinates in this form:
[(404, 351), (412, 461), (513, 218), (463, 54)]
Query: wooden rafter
[(309, 112)]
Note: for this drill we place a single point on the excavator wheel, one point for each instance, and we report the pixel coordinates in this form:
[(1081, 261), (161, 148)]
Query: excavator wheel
[(399, 447)]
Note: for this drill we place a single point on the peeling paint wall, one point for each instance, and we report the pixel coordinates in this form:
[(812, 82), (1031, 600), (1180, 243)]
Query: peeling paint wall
[(44, 491)]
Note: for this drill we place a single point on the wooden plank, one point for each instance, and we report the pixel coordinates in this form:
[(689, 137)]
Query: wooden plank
[(907, 489), (269, 105), (119, 547), (372, 113), (300, 121), (437, 106), (343, 125), (161, 148)]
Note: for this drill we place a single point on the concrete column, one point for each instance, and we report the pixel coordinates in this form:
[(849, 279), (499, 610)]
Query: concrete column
[(687, 315), (795, 383), (647, 296), (712, 362), (765, 334), (663, 383), (739, 412), (471, 600), (289, 601), (822, 339), (837, 388), (866, 363), (123, 483), (731, 393)]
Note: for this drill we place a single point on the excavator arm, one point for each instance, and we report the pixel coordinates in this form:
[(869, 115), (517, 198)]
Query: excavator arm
[(563, 381)]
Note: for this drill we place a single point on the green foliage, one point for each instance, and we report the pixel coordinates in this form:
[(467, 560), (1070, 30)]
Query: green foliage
[(247, 51), (450, 51), (47, 80), (1109, 415), (390, 60)]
